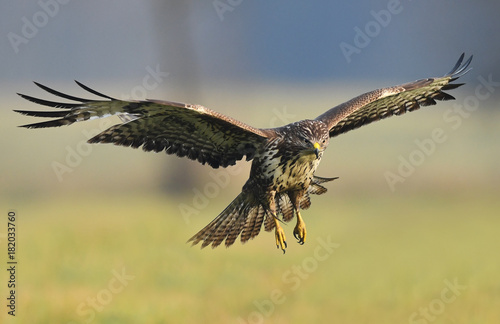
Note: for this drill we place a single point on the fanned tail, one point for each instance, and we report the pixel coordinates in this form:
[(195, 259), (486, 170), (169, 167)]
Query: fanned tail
[(244, 216)]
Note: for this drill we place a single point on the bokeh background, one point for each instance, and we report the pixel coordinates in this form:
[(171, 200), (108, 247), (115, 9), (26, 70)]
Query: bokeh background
[(101, 230)]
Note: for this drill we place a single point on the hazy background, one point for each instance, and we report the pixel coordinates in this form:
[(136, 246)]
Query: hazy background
[(265, 63)]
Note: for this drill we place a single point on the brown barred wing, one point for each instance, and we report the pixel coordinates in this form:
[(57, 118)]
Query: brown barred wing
[(397, 100), (177, 128)]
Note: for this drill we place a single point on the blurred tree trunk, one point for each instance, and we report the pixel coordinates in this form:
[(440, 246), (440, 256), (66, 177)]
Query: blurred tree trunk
[(177, 52)]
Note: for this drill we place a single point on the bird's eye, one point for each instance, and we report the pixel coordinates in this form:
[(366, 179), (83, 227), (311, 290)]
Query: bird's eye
[(324, 141)]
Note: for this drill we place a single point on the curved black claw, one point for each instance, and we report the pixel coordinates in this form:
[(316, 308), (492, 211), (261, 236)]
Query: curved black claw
[(300, 232), (282, 248), (299, 239), (280, 237)]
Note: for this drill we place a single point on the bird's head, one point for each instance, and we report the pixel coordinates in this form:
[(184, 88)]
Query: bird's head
[(309, 137)]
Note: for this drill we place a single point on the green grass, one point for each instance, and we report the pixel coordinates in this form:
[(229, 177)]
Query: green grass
[(395, 253), (396, 249)]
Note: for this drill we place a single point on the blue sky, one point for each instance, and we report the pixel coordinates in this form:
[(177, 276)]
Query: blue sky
[(284, 41)]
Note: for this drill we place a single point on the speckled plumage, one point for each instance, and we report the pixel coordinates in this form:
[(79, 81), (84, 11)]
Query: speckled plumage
[(284, 158)]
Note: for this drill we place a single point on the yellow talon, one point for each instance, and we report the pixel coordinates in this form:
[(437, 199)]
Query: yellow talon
[(280, 236), (300, 230)]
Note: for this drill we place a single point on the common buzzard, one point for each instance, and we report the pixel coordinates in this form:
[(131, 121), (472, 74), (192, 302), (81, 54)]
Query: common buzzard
[(284, 158)]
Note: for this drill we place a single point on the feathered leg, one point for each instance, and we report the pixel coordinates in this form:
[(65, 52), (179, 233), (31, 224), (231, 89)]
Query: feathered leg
[(279, 233), (299, 232), (300, 199)]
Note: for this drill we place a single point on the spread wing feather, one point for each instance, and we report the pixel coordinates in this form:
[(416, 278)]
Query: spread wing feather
[(397, 100), (185, 130)]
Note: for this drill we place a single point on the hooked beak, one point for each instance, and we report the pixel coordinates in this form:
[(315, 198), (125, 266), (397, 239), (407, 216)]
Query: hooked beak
[(316, 149)]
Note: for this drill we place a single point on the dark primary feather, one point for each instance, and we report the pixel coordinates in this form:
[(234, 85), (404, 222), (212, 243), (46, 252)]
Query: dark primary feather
[(397, 100), (185, 130)]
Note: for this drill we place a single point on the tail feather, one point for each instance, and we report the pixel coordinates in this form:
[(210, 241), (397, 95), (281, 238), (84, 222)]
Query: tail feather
[(237, 227), (229, 223), (245, 216), (305, 202), (218, 231), (285, 207), (261, 214), (250, 224), (269, 224), (207, 231), (254, 224)]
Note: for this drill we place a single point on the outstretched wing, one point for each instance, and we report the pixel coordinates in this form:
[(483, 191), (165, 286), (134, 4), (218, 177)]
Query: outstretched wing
[(185, 130), (397, 100)]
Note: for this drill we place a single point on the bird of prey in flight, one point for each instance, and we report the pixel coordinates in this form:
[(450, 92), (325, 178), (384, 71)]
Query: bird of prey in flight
[(284, 158)]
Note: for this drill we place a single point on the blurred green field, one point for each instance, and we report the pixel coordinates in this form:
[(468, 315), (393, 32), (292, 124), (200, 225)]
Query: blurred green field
[(426, 252), (394, 257)]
